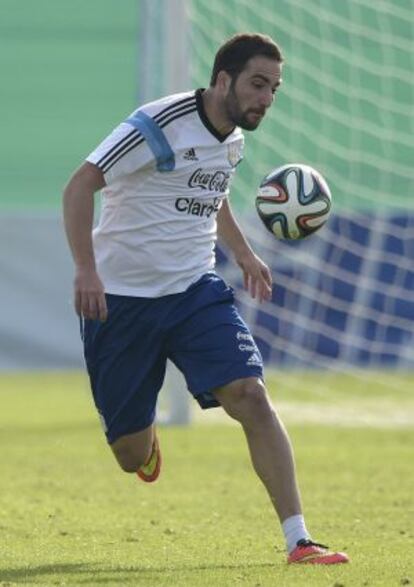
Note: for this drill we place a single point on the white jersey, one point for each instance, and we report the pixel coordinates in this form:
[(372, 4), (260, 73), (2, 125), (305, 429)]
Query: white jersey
[(167, 171)]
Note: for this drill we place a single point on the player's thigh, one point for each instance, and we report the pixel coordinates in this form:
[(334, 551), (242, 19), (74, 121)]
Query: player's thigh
[(214, 348)]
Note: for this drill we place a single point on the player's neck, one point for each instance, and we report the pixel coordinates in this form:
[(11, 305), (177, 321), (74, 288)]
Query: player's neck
[(216, 113)]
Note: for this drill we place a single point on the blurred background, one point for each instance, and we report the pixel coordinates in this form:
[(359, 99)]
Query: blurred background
[(343, 300), (69, 75)]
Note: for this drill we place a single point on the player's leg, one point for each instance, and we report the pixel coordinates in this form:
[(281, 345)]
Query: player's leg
[(216, 352), (126, 365), (246, 401), (134, 450), (139, 453)]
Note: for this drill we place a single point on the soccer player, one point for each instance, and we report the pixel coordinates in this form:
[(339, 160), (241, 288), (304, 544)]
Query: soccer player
[(145, 285)]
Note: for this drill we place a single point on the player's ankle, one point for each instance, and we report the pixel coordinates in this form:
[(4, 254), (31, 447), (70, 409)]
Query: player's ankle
[(294, 530)]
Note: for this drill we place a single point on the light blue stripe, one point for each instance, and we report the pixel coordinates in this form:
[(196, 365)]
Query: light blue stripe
[(156, 140)]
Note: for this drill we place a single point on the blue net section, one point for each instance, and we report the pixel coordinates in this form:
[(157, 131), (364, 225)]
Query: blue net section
[(343, 295)]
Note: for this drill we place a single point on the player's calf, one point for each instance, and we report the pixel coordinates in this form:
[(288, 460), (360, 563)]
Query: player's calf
[(133, 450)]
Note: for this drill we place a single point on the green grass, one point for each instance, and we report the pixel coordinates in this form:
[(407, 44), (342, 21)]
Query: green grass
[(68, 516)]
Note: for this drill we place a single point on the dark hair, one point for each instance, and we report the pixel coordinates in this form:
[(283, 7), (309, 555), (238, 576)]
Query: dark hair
[(236, 52)]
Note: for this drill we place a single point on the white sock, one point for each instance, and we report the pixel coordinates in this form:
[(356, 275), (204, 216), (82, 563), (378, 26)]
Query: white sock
[(294, 530)]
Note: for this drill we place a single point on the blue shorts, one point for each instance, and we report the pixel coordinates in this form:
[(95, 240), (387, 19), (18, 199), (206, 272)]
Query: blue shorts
[(199, 330)]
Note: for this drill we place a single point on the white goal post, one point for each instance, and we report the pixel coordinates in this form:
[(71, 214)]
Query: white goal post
[(164, 68)]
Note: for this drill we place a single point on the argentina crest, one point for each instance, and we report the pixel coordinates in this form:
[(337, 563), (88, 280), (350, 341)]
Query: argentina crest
[(234, 152)]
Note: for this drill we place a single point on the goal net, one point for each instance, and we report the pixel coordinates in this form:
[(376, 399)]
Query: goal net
[(343, 298)]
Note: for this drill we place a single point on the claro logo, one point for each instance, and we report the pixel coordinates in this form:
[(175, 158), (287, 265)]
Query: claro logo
[(196, 208), (216, 181)]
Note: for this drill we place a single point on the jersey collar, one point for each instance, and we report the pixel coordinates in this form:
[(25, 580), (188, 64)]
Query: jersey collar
[(204, 119)]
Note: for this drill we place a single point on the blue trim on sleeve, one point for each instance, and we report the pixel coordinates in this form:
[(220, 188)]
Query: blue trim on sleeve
[(156, 140)]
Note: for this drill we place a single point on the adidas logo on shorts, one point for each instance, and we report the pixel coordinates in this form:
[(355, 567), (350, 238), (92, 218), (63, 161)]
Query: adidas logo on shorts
[(254, 359), (190, 155)]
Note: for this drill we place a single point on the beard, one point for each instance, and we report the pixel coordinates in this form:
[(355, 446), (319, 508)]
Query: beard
[(238, 116)]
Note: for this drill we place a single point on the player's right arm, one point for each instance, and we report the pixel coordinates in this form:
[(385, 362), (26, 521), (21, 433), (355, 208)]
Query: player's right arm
[(78, 211)]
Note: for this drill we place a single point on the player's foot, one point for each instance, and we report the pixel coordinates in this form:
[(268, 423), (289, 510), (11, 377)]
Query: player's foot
[(151, 470), (310, 552)]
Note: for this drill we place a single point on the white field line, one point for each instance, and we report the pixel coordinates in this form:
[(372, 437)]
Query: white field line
[(361, 413)]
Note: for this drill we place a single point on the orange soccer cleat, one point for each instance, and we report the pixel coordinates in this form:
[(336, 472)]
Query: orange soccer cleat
[(310, 552), (151, 470)]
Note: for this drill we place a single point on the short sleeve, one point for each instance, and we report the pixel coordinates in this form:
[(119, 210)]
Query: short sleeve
[(122, 152)]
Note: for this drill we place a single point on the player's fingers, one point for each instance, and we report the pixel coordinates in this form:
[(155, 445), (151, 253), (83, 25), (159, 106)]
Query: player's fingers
[(266, 283), (93, 300), (263, 287), (78, 303), (246, 280), (266, 293), (267, 275), (253, 287), (102, 308), (88, 307), (85, 305), (268, 290), (260, 292)]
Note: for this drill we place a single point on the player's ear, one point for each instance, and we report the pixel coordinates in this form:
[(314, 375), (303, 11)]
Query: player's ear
[(223, 82)]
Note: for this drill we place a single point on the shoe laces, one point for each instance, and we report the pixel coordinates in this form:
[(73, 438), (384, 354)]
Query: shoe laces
[(304, 543)]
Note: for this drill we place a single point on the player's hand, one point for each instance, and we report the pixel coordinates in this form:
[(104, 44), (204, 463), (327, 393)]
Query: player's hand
[(90, 301), (257, 277)]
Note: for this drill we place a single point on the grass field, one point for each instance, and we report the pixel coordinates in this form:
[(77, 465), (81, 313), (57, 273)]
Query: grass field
[(68, 516)]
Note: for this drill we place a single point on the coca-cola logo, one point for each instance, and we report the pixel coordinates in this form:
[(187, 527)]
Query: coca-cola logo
[(214, 181)]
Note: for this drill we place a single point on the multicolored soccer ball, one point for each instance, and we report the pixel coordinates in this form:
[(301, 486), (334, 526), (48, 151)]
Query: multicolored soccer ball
[(293, 201)]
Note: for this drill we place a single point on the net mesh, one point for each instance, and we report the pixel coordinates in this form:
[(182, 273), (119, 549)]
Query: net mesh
[(346, 104), (343, 297)]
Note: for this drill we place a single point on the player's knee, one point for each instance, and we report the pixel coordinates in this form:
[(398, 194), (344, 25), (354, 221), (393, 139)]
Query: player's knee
[(256, 402), (247, 401), (130, 458)]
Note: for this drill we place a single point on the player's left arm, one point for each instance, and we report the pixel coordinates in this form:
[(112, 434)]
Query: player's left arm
[(257, 276)]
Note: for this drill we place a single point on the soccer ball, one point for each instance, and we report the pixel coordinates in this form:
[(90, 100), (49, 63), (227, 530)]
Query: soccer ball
[(293, 201)]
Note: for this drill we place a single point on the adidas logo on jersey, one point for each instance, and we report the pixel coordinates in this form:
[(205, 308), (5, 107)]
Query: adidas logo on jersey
[(190, 155)]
